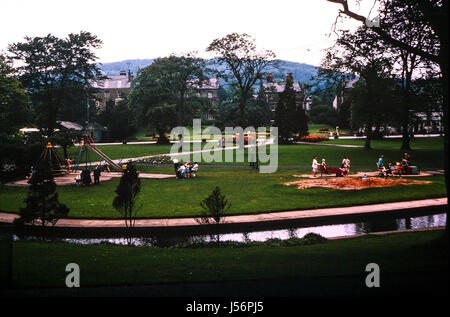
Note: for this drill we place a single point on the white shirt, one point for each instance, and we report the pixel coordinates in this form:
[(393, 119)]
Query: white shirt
[(314, 163)]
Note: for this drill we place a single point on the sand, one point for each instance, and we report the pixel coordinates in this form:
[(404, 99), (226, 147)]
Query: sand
[(353, 183)]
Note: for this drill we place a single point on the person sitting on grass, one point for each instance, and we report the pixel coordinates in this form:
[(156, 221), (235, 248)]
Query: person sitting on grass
[(182, 171), (392, 169), (382, 171), (324, 168), (404, 166), (188, 169), (398, 168)]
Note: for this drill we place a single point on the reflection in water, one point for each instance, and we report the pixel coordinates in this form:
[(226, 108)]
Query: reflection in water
[(328, 231)]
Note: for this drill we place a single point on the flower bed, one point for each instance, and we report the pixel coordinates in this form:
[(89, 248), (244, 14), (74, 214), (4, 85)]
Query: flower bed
[(314, 138), (157, 159)]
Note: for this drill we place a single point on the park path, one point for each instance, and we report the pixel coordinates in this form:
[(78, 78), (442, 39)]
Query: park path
[(249, 219)]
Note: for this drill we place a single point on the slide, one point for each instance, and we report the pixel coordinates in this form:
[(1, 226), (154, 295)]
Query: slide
[(106, 158)]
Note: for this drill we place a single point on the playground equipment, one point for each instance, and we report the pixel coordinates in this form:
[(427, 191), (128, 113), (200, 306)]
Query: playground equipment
[(50, 156), (87, 144), (337, 171)]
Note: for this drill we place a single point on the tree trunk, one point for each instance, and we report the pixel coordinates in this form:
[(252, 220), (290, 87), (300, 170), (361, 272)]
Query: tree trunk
[(405, 114), (368, 136)]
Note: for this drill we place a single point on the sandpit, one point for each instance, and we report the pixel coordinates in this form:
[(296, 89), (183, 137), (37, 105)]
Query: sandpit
[(353, 183)]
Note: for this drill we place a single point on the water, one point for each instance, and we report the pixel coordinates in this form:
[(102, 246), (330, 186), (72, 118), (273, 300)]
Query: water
[(328, 231)]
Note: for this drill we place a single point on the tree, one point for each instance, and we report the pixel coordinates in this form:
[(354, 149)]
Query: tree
[(359, 53), (165, 92), (42, 201), (127, 191), (14, 112), (65, 138), (432, 17), (56, 72), (242, 61), (323, 114), (290, 117), (256, 114), (119, 119)]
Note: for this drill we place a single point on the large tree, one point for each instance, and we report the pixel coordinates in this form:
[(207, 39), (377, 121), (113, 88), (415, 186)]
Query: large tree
[(165, 92), (14, 112), (57, 71), (359, 53), (243, 62), (432, 17), (290, 117)]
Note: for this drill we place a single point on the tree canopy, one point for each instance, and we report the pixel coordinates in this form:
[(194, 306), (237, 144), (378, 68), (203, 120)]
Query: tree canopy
[(57, 72)]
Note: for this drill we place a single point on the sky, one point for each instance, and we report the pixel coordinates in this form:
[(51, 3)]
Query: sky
[(296, 30)]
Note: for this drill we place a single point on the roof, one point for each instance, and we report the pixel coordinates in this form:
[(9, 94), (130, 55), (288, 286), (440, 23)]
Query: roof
[(113, 82), (210, 83), (351, 82), (279, 86), (94, 126), (70, 125)]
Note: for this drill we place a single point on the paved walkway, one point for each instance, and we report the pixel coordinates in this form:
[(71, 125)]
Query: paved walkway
[(248, 219), (70, 179)]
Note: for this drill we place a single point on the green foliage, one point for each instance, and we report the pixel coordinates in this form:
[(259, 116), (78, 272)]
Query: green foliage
[(127, 192), (321, 113), (257, 113), (42, 202), (243, 62), (290, 117), (165, 93), (214, 206), (57, 73), (119, 120), (14, 112)]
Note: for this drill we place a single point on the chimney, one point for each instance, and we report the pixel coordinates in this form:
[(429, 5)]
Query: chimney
[(269, 77), (130, 76), (289, 77)]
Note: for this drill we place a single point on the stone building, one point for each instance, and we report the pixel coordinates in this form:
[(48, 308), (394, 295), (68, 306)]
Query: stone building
[(273, 89), (113, 88)]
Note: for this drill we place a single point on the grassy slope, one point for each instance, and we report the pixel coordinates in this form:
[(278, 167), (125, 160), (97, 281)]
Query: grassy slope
[(247, 190), (41, 264)]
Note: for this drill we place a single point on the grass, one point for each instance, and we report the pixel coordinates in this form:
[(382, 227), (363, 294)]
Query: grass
[(248, 191), (428, 154), (432, 143), (41, 264)]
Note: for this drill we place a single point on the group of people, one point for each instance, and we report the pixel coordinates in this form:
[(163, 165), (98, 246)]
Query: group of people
[(344, 168), (84, 177), (185, 170), (393, 169)]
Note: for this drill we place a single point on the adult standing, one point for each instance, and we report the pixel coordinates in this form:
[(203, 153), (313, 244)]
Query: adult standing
[(315, 166), (175, 164), (380, 161), (97, 175)]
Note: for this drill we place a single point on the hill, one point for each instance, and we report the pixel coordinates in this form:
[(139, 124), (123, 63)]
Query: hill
[(300, 71)]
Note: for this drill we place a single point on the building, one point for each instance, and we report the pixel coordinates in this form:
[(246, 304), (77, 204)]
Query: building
[(208, 89), (273, 89), (113, 88)]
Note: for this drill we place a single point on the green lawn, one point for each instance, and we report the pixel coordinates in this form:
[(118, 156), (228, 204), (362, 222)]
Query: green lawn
[(247, 190), (42, 264), (426, 153), (432, 143)]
